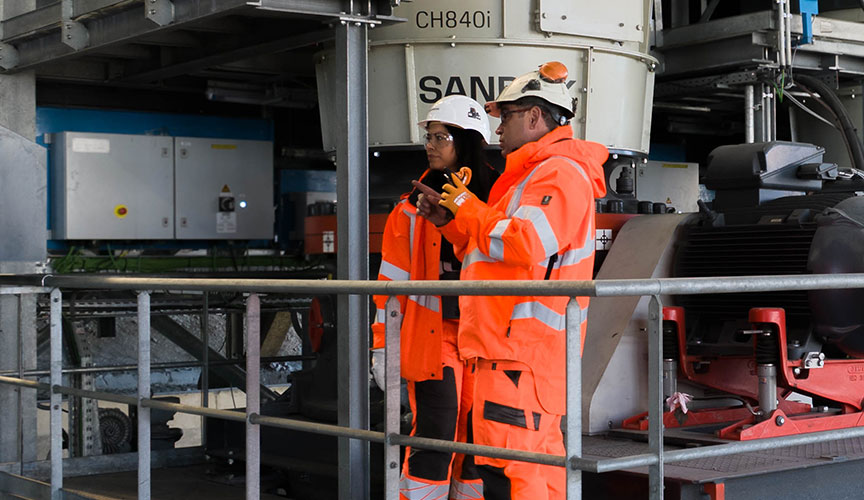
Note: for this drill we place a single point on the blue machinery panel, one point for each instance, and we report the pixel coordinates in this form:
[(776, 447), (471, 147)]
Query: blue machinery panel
[(52, 120)]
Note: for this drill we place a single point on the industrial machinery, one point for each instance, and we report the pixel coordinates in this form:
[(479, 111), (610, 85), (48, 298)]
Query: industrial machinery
[(779, 210)]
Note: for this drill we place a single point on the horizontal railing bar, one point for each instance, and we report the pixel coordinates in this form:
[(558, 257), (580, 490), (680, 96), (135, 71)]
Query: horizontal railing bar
[(602, 288), (195, 410), (23, 383), (159, 366), (101, 396), (585, 464), (477, 450), (326, 429)]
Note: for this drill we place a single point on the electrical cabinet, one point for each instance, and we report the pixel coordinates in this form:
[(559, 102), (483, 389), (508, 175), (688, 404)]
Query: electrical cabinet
[(673, 183), (112, 187), (224, 189), (137, 187)]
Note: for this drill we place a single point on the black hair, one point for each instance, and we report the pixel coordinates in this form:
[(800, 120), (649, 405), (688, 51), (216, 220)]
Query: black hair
[(552, 114), (471, 153)]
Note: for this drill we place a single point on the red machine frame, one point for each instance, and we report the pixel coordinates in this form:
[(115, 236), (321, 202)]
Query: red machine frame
[(841, 381)]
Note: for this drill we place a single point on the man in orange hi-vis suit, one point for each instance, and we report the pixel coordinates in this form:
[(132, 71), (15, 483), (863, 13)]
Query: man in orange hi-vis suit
[(538, 224)]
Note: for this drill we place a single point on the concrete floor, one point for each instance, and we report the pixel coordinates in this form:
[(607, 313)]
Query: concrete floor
[(179, 483)]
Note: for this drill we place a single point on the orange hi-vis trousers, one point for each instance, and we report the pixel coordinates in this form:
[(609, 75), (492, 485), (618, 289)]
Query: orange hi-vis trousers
[(440, 409), (507, 414)]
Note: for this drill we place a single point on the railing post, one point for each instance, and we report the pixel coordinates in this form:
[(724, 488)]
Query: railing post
[(655, 396), (574, 397), (253, 396), (143, 393), (56, 363), (205, 364), (392, 393)]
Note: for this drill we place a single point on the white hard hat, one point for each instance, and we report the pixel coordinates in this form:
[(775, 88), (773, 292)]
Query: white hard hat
[(460, 111), (548, 82)]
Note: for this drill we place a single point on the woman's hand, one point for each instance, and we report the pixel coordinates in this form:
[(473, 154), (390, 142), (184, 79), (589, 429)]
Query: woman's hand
[(428, 207)]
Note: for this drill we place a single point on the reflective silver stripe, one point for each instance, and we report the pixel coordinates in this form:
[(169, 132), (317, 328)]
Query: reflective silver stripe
[(541, 226), (517, 194), (393, 272), (576, 165), (381, 316), (476, 256), (575, 256), (496, 244), (430, 302), (413, 218), (465, 491), (538, 311), (415, 490)]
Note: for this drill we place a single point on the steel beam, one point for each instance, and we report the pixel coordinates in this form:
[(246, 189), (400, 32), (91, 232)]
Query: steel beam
[(324, 8), (224, 57), (102, 464), (56, 364), (352, 191), (143, 393), (160, 12), (573, 441), (176, 333), (655, 397), (392, 399), (72, 33), (253, 397), (113, 27)]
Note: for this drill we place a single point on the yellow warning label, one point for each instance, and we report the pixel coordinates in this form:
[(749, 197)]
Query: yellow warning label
[(121, 211), (226, 189), (223, 146), (675, 165)]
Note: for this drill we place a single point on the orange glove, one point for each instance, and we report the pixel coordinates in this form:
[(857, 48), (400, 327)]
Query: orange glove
[(455, 195)]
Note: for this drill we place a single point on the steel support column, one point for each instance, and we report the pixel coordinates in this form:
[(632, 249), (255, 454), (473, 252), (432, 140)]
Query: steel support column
[(205, 363), (392, 393), (352, 155), (749, 115), (573, 440), (655, 397), (143, 393), (56, 363), (253, 396)]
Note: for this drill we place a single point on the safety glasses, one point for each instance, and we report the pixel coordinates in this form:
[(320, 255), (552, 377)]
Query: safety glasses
[(507, 113), (438, 139)]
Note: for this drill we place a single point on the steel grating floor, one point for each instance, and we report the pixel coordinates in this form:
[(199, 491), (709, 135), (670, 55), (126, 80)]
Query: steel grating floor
[(731, 466)]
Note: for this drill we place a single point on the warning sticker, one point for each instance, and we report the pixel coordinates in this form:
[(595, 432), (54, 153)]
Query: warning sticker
[(226, 222), (90, 145), (225, 188), (223, 146), (603, 239), (328, 240)]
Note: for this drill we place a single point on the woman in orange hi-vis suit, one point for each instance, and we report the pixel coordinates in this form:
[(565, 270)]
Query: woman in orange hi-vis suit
[(438, 385)]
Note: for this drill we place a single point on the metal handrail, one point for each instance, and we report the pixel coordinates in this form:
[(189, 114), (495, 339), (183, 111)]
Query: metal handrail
[(596, 288), (588, 288)]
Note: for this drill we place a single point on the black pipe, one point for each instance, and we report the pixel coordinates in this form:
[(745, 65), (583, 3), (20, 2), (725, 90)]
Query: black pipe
[(850, 133)]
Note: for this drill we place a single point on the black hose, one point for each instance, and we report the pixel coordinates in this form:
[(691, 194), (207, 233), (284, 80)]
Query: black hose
[(850, 133)]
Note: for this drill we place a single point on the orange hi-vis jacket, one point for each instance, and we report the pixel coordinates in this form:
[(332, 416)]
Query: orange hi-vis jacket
[(542, 205), (411, 249)]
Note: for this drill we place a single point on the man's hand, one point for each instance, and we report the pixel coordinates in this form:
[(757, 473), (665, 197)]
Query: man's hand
[(455, 195), (377, 368), (428, 207)]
